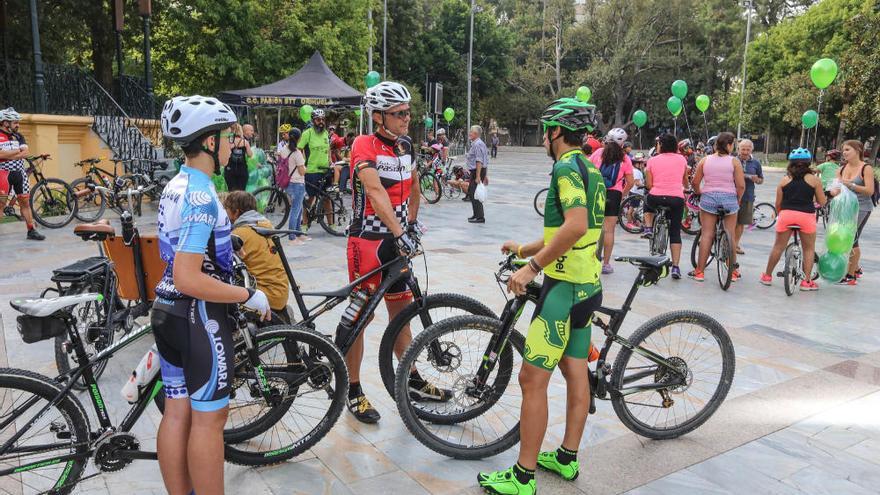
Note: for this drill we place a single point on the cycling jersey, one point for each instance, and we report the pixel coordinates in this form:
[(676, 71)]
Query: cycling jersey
[(394, 162), (17, 177), (579, 264), (192, 220)]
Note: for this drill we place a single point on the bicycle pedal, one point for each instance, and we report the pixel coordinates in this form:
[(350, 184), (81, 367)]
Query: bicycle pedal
[(780, 274)]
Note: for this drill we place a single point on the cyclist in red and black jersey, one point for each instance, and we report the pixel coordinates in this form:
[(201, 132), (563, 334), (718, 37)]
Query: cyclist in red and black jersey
[(385, 207), (13, 151)]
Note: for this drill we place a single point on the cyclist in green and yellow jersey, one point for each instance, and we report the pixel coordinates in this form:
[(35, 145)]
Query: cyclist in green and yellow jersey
[(559, 333)]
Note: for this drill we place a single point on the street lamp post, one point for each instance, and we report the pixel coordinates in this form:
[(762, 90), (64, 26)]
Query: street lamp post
[(470, 69), (384, 40), (39, 80), (742, 92), (146, 12)]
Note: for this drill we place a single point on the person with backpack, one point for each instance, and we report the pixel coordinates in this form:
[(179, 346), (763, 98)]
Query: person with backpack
[(617, 172), (290, 175), (858, 176)]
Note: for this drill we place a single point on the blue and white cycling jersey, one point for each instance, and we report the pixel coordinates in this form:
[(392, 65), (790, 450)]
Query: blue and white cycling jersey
[(192, 220)]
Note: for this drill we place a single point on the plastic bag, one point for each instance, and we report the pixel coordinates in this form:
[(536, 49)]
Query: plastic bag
[(480, 193), (839, 235), (844, 207)]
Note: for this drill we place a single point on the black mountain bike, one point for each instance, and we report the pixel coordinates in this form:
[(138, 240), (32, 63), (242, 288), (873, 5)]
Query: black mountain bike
[(659, 240), (721, 251), (99, 189), (421, 313), (668, 378), (328, 208), (51, 200)]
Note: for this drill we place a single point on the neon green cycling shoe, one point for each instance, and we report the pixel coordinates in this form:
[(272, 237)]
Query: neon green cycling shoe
[(505, 483), (548, 462)]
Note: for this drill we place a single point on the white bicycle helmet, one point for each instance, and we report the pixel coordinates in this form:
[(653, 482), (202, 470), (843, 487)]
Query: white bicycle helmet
[(12, 114), (185, 118), (617, 135), (385, 95), (317, 113), (441, 132), (5, 115)]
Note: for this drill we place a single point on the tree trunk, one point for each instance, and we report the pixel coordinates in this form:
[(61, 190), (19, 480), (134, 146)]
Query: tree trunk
[(875, 146), (841, 129), (558, 57), (100, 25)]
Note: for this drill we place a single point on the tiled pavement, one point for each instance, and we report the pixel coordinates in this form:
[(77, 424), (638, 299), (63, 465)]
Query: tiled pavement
[(800, 418)]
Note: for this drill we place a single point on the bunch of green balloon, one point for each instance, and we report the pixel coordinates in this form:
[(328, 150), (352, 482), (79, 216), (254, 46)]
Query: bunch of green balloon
[(305, 112), (449, 114), (840, 237), (372, 78), (674, 105), (640, 118), (584, 94), (810, 118), (823, 72), (703, 103), (832, 266), (679, 89), (429, 122)]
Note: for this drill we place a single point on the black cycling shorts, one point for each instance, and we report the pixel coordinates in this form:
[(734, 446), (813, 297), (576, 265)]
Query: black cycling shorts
[(612, 203), (676, 213), (196, 351), (18, 183)]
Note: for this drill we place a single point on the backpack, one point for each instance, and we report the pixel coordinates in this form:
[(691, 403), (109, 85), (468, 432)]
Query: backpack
[(282, 171), (609, 174)]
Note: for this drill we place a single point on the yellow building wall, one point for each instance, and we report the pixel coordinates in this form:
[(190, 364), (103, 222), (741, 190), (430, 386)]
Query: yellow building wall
[(67, 138)]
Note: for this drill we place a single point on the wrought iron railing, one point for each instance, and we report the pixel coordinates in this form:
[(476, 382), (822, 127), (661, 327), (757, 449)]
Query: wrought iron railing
[(134, 98)]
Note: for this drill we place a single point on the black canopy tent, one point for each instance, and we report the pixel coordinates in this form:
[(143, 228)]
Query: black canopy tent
[(314, 84)]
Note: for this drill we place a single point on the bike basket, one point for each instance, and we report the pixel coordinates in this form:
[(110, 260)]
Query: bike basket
[(81, 271), (123, 263), (34, 329)]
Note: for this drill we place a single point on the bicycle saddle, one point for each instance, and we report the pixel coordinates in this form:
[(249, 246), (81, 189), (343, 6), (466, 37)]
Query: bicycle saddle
[(645, 261), (47, 306), (97, 231), (272, 232), (794, 227)]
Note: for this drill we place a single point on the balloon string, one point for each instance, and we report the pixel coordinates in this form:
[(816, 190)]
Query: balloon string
[(687, 123), (706, 126), (816, 127)]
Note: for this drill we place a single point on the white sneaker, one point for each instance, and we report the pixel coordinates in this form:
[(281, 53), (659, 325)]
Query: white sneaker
[(305, 238), (297, 242)]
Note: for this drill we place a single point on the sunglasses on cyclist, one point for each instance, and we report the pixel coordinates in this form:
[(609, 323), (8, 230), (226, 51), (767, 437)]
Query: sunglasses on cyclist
[(400, 114), (230, 136)]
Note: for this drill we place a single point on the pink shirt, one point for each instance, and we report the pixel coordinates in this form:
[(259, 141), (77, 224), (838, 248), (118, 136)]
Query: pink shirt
[(626, 168), (667, 171), (718, 174)]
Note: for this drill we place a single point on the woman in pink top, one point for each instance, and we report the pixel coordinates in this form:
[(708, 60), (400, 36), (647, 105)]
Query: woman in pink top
[(666, 180), (617, 170), (720, 182)]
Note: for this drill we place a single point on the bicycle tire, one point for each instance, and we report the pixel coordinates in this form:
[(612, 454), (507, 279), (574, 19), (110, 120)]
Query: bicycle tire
[(274, 204), (430, 187), (724, 260), (695, 251), (659, 240), (409, 316), (296, 337), (540, 200), (694, 217), (61, 209), (765, 215), (643, 334), (70, 414), (790, 272), (340, 217), (417, 422), (90, 205), (637, 204)]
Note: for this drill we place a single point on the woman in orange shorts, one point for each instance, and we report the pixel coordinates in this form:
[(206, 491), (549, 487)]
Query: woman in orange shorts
[(796, 198)]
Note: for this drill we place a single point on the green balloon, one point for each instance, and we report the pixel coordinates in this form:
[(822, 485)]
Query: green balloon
[(429, 122), (305, 112), (839, 238), (832, 267), (680, 89), (584, 94), (703, 103), (823, 72), (449, 114), (372, 78), (357, 112), (810, 118), (640, 118), (673, 104)]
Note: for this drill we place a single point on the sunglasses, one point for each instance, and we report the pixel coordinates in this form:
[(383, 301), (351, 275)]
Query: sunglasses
[(400, 114), (230, 136)]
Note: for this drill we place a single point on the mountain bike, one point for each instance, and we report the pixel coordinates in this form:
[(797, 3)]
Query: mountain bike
[(540, 200), (659, 240), (99, 189), (793, 271), (51, 200), (632, 214), (328, 208), (720, 250), (421, 313), (46, 438), (668, 378), (764, 216)]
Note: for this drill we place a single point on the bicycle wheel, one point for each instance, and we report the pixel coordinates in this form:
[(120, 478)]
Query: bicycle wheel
[(430, 187), (791, 271), (634, 205), (451, 191), (90, 204), (695, 251), (539, 201), (337, 220), (62, 430), (309, 384), (691, 222), (440, 307), (764, 216), (274, 204), (699, 348), (476, 422), (724, 260), (52, 203), (660, 239)]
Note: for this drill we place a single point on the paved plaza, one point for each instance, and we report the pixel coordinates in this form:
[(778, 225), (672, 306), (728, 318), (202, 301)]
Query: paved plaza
[(801, 416)]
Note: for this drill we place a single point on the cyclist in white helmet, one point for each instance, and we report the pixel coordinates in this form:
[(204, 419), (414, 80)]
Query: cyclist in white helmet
[(13, 151), (190, 316), (617, 172)]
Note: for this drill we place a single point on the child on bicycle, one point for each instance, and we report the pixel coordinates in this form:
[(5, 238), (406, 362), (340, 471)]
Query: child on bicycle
[(256, 250)]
